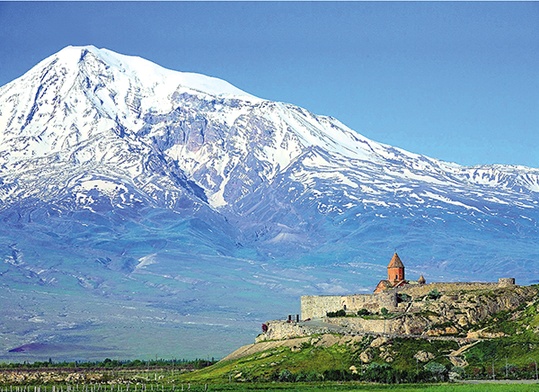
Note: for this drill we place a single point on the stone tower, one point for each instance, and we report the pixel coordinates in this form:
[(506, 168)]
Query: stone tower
[(395, 270)]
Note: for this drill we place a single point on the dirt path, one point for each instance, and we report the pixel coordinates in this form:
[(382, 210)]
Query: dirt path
[(455, 358)]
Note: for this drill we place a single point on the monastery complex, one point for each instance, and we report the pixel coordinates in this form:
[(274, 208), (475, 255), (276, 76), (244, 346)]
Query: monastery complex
[(390, 293)]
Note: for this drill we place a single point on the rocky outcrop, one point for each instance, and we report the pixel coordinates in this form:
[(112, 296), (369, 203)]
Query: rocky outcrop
[(424, 356), (279, 330), (295, 344), (464, 309)]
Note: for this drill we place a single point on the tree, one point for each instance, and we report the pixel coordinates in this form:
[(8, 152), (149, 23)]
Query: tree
[(438, 371), (285, 375)]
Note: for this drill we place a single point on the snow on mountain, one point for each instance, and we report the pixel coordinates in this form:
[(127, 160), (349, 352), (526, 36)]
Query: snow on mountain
[(182, 193), (88, 128), (79, 93), (88, 105)]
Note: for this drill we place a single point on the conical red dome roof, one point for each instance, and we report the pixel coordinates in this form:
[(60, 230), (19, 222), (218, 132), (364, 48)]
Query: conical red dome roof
[(395, 262)]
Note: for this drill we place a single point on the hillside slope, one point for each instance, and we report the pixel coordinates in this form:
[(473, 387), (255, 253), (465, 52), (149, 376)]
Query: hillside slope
[(502, 336)]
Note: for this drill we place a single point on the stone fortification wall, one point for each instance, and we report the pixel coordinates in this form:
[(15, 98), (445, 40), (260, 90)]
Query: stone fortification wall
[(457, 311), (317, 306), (313, 306), (418, 290), (405, 325), (506, 282), (279, 330)]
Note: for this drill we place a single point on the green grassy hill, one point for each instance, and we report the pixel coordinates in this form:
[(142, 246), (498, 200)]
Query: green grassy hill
[(513, 354)]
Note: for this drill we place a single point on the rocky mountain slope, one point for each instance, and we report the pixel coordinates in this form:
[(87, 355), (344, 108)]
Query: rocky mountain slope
[(181, 194)]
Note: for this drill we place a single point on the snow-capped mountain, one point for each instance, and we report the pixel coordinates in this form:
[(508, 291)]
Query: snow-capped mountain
[(124, 179)]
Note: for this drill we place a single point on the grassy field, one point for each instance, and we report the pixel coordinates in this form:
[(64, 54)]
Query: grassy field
[(323, 387), (267, 387)]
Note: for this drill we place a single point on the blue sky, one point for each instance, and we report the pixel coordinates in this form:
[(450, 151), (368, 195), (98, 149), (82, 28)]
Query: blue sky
[(456, 81)]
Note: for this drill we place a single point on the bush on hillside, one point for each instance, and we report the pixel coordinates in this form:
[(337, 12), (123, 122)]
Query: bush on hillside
[(338, 313)]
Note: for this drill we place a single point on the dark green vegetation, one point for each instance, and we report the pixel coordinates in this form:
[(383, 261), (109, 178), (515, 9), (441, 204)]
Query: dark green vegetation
[(434, 294), (112, 364), (338, 313), (364, 313)]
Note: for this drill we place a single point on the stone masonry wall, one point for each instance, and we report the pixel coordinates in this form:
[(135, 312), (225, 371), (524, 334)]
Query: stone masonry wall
[(423, 289), (316, 306)]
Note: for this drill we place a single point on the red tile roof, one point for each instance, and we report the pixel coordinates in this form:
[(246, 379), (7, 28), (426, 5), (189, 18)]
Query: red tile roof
[(395, 262)]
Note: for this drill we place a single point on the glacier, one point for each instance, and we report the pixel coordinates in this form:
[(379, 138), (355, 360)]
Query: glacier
[(147, 211)]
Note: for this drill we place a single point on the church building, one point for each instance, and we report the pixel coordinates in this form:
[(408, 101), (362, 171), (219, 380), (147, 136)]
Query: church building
[(395, 275)]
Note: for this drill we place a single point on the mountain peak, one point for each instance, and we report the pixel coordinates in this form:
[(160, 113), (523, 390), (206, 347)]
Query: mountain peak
[(82, 91), (145, 71)]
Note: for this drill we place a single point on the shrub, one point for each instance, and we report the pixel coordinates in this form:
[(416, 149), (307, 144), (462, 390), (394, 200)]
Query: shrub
[(338, 313), (363, 312), (378, 373), (434, 294), (335, 375), (313, 376), (403, 297), (308, 376), (285, 375)]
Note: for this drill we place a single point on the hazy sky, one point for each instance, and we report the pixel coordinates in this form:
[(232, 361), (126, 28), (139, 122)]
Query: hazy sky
[(456, 81)]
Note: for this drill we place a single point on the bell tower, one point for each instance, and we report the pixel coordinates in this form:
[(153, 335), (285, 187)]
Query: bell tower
[(395, 269)]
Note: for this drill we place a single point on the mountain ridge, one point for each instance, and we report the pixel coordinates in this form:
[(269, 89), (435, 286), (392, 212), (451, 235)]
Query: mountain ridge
[(103, 169)]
